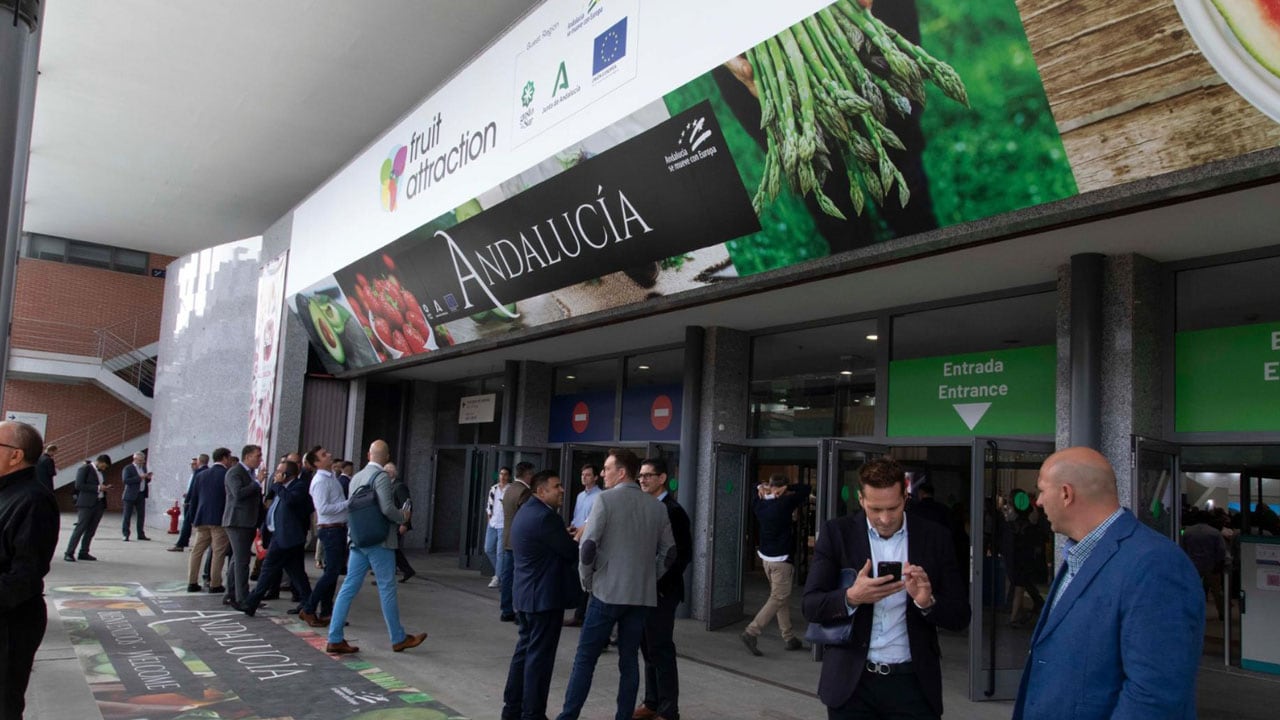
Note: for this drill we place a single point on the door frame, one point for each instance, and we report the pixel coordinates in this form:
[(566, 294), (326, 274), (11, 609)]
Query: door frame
[(1137, 445), (991, 683), (718, 617)]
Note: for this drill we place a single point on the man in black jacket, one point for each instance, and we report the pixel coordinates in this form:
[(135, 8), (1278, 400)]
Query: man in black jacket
[(28, 535), (892, 666), (46, 468), (288, 519), (661, 677), (774, 505)]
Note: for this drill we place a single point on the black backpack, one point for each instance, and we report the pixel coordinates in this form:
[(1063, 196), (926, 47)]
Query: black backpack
[(366, 524)]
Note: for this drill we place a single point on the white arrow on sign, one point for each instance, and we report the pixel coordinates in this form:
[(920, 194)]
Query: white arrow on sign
[(971, 413)]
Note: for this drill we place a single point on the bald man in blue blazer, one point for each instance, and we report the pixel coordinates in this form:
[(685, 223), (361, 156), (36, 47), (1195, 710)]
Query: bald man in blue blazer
[(1122, 634)]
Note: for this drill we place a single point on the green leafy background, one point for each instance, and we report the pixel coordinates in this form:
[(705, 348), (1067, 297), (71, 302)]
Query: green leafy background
[(1000, 154)]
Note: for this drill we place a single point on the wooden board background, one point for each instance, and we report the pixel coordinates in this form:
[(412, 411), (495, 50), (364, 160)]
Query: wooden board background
[(1132, 95)]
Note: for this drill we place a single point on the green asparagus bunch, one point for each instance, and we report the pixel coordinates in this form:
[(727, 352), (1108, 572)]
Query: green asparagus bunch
[(827, 85)]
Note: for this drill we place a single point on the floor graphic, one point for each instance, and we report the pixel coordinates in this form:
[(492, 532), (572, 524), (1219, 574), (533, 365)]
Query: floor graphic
[(161, 654)]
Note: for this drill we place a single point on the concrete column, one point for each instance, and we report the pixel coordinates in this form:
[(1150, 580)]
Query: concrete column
[(1129, 386), (533, 404), (419, 469), (19, 52), (690, 440), (723, 417), (1086, 349)]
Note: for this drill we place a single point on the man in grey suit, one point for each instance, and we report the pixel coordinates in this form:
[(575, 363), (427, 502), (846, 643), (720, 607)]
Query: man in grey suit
[(626, 546), (240, 518), (136, 490), (91, 500)]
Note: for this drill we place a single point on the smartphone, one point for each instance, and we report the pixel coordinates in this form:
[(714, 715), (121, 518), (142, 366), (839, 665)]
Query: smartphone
[(889, 568)]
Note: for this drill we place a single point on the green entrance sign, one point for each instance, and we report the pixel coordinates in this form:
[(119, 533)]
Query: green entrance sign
[(1228, 379), (1002, 392)]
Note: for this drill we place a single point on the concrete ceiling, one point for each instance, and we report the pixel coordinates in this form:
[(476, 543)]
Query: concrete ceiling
[(174, 125)]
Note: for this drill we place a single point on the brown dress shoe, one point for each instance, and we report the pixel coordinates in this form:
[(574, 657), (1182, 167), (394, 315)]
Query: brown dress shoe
[(409, 641), (312, 620), (341, 648), (643, 713)]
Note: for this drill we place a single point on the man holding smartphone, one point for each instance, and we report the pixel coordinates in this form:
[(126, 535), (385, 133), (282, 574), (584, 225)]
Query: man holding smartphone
[(891, 666), (774, 505)]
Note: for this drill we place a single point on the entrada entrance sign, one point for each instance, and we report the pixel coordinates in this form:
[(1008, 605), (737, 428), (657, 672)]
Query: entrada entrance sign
[(1228, 379), (1003, 392)]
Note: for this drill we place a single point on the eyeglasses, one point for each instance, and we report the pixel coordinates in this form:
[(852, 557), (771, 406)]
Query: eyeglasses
[(15, 447), (649, 475)]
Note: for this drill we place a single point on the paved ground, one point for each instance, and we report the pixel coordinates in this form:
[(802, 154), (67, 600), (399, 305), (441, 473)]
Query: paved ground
[(458, 672)]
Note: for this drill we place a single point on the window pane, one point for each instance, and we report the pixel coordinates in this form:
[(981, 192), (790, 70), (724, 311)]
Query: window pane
[(92, 255), (131, 261), (44, 247), (818, 382), (1016, 322), (1242, 293)]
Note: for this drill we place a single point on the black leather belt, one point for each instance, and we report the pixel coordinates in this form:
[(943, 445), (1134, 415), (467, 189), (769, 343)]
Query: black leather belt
[(326, 526), (879, 668)]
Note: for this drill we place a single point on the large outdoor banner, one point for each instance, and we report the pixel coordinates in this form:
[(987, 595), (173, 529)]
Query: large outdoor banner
[(266, 341), (626, 163)]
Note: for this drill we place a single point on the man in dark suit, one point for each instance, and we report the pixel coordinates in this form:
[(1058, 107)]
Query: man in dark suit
[(136, 490), (893, 670), (661, 678), (208, 502), (545, 582), (184, 535), (243, 498), (288, 519), (46, 469), (1122, 634), (90, 494)]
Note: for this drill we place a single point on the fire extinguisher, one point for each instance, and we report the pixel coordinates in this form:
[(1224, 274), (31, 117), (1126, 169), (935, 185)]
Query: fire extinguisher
[(174, 513)]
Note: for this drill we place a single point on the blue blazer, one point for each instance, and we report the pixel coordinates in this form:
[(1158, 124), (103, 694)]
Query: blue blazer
[(293, 515), (546, 560), (1124, 640), (208, 496)]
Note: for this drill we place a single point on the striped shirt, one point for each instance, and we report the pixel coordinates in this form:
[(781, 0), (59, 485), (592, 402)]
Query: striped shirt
[(1079, 552), (494, 501)]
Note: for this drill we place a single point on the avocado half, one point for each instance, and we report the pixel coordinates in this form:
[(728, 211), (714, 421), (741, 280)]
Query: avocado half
[(1256, 24), (328, 337)]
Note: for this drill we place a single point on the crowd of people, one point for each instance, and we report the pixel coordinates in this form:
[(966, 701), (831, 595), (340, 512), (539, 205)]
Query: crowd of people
[(249, 526), (880, 583)]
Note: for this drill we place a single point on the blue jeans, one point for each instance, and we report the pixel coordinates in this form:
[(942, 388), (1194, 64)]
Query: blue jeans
[(383, 563), (493, 543), (334, 543), (601, 617), (506, 576)]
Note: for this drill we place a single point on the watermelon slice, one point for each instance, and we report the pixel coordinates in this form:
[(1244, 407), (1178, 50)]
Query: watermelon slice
[(1256, 24)]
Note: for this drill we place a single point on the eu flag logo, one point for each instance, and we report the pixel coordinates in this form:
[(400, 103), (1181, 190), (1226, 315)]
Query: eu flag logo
[(610, 47)]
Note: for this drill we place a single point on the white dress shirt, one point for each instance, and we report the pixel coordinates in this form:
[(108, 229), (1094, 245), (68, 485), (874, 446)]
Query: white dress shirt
[(326, 495), (889, 643)]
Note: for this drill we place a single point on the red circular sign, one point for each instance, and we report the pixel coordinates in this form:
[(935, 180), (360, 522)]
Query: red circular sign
[(660, 413), (581, 417)]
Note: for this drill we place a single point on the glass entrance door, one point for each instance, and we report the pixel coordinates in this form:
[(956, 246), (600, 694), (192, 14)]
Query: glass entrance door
[(1156, 495), (838, 465), (457, 471), (1010, 563), (730, 481), (481, 476)]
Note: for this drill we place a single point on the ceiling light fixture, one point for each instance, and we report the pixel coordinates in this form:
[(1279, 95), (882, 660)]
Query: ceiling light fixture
[(873, 337), (570, 377), (846, 372), (642, 367)]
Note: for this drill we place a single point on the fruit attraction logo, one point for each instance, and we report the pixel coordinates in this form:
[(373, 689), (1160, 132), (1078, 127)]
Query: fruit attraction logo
[(392, 169)]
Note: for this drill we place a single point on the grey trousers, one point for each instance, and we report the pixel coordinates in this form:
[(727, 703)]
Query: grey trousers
[(86, 525), (241, 553)]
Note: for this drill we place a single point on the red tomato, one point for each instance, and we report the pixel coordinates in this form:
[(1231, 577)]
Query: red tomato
[(414, 318), (389, 262), (398, 342), (361, 280), (417, 344)]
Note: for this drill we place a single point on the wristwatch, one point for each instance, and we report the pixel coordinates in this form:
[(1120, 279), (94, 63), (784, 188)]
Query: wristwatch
[(933, 602)]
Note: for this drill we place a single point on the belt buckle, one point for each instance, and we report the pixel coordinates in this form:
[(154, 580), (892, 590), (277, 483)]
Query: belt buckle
[(878, 668)]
